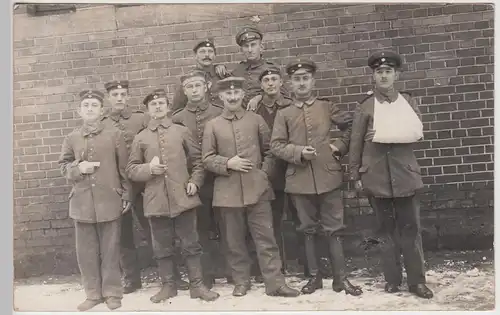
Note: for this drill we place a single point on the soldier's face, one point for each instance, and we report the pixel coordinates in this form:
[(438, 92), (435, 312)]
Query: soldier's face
[(252, 50), (205, 56), (271, 84), (302, 82), (90, 109), (195, 90), (118, 98), (385, 77), (232, 98), (158, 108)]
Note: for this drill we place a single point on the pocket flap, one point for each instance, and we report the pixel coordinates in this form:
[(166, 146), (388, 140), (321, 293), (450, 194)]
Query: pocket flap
[(333, 167)]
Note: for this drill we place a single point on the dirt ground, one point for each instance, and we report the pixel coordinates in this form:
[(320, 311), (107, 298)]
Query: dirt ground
[(460, 281)]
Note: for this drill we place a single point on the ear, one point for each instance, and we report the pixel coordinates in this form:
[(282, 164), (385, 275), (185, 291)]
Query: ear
[(396, 74)]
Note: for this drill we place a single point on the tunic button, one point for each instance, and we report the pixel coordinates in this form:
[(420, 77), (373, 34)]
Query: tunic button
[(93, 185)]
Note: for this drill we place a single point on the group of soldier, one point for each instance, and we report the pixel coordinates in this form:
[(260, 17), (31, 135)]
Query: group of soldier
[(219, 164)]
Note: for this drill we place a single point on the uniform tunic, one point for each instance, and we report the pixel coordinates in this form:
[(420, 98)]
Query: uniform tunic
[(128, 121), (309, 124), (387, 170), (269, 114), (96, 197), (245, 134), (165, 195), (195, 118)]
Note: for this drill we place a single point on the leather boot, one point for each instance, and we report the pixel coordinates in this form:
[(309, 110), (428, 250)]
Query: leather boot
[(340, 281), (391, 288), (285, 291), (89, 304), (241, 289), (169, 288), (421, 290), (113, 303), (312, 255), (196, 287), (209, 281)]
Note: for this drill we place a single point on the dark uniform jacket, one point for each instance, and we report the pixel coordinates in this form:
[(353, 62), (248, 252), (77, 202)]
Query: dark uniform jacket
[(195, 118), (268, 112), (96, 197), (165, 195), (130, 122), (180, 99), (251, 72), (386, 170), (309, 124), (245, 134)]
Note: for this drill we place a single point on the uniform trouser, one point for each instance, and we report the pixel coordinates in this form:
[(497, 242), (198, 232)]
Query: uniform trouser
[(205, 217), (258, 219), (278, 207), (322, 215), (129, 262), (165, 230), (399, 224), (98, 255)]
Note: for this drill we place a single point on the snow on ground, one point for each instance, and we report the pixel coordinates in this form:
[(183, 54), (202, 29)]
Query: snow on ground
[(457, 284)]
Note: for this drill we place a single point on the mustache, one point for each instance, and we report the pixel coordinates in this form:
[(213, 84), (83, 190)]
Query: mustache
[(207, 59)]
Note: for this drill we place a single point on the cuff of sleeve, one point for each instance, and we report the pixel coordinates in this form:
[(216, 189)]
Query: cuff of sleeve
[(341, 146), (75, 173), (222, 166), (197, 181), (297, 154)]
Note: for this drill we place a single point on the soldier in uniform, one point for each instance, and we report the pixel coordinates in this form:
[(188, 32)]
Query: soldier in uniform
[(205, 53), (93, 158), (130, 122), (197, 112), (236, 149), (250, 41), (383, 165), (270, 102), (301, 136), (160, 157)]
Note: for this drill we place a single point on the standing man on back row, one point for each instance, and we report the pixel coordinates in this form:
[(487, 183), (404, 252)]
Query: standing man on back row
[(204, 54), (250, 41), (383, 165)]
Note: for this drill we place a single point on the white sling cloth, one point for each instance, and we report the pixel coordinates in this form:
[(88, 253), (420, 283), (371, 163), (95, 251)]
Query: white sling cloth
[(396, 122)]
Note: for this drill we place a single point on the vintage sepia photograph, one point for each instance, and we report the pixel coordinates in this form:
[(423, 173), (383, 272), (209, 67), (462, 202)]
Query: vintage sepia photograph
[(275, 156)]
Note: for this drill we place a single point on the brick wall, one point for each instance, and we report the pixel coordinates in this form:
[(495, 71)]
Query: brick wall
[(448, 54)]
